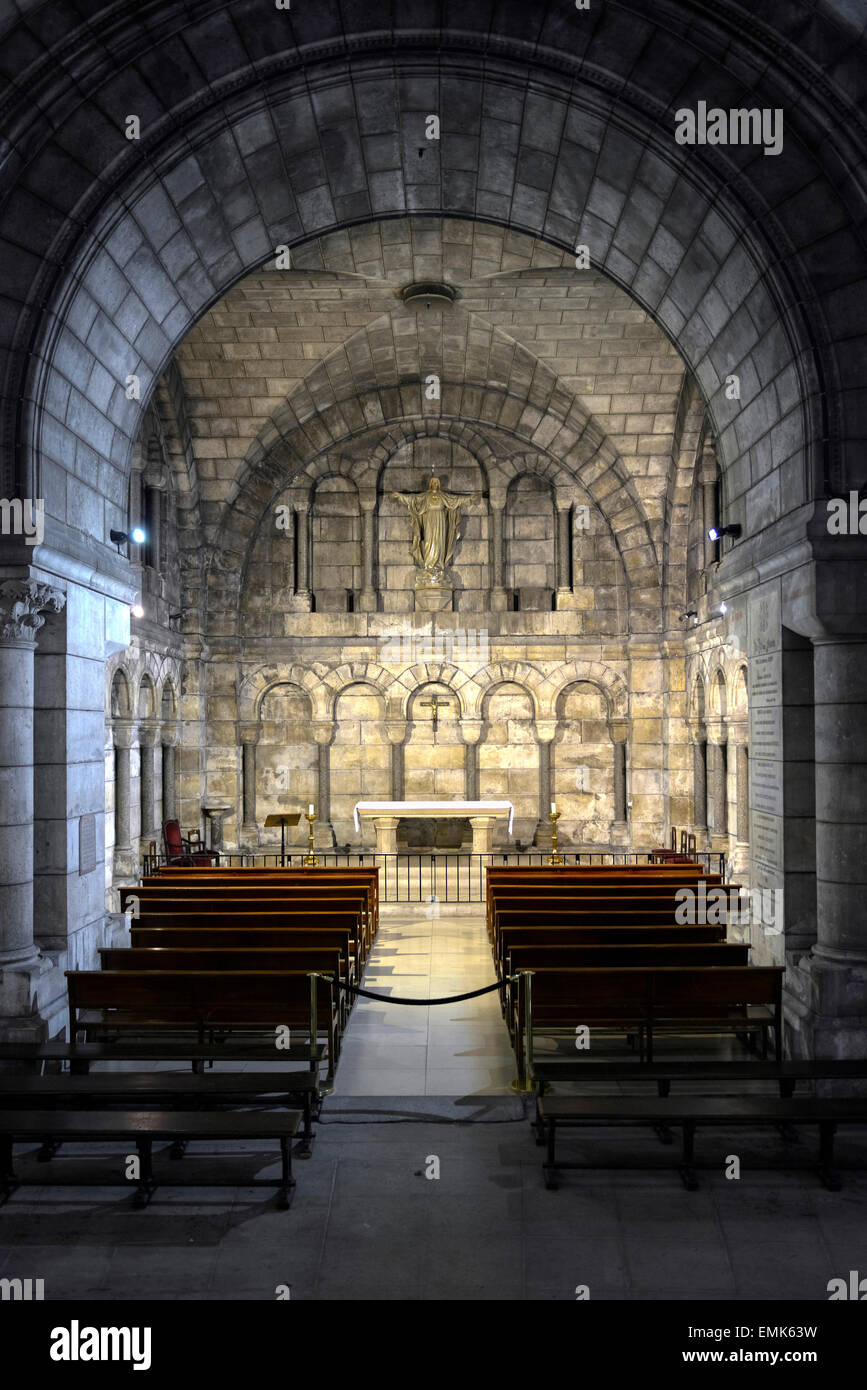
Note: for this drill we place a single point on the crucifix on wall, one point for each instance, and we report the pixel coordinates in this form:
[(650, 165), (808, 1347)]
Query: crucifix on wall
[(435, 705)]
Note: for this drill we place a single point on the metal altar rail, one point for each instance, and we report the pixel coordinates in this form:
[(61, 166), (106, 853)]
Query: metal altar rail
[(437, 878)]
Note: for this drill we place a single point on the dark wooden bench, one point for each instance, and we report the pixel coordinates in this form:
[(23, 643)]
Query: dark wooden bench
[(289, 1089), (560, 934), (339, 898), (81, 1055), (648, 999), (254, 920), (204, 1003), (691, 1111), (604, 924), (142, 1127), (314, 875), (249, 938), (227, 910)]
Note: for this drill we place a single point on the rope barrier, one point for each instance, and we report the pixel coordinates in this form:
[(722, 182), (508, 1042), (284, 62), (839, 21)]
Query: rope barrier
[(387, 999)]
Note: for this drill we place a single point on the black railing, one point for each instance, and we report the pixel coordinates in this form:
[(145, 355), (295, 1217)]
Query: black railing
[(437, 878)]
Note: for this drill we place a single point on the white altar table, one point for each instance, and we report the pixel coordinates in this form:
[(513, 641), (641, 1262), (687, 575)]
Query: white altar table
[(481, 814)]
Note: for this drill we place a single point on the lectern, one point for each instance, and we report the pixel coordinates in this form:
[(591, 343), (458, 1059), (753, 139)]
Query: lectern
[(282, 818)]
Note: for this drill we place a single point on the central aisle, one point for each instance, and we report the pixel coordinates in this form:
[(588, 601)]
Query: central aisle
[(414, 1050)]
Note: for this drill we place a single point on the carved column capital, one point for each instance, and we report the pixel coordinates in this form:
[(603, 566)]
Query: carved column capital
[(148, 732), (619, 730), (717, 731), (471, 730), (121, 733), (323, 731), (170, 735), (546, 730), (395, 730), (249, 733), (23, 603)]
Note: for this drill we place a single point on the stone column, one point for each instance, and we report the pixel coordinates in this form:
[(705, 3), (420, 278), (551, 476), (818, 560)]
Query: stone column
[(699, 782), (386, 834), (123, 856), (249, 736), (22, 605), (302, 558), (841, 807), (396, 733), (564, 547), (483, 833), (545, 731), (367, 599), (619, 782), (471, 733), (323, 831), (718, 782), (169, 739), (152, 521), (147, 738), (743, 792), (499, 601)]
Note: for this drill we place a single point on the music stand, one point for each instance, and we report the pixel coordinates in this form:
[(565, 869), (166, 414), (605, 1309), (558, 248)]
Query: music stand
[(282, 818)]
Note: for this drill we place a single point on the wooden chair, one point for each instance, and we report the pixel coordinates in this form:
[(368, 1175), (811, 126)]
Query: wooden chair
[(181, 850)]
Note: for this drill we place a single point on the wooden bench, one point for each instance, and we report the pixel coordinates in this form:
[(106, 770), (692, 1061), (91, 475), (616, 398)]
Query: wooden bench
[(204, 1003), (316, 880), (141, 1128), (207, 957), (249, 938), (368, 877), (289, 1089), (637, 926), (319, 908), (691, 1111), (649, 999), (246, 919)]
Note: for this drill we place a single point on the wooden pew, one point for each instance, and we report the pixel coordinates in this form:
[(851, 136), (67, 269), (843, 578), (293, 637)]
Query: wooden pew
[(558, 933), (653, 999), (248, 938), (141, 1128), (204, 1003), (636, 918), (324, 927), (269, 899), (315, 876)]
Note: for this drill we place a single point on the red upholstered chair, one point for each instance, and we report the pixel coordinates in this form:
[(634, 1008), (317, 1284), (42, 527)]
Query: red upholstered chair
[(180, 851)]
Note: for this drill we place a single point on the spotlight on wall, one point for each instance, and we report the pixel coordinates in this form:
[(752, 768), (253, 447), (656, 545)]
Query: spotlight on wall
[(723, 609), (717, 532), (119, 538), (690, 613), (137, 611)]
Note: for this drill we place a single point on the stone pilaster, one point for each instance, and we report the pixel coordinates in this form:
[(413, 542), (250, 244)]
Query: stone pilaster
[(323, 831), (396, 733), (169, 741), (546, 729), (124, 857), (23, 605), (499, 598), (564, 548), (249, 830)]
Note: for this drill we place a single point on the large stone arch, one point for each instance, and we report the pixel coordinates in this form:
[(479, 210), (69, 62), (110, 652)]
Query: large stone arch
[(133, 244), (512, 673)]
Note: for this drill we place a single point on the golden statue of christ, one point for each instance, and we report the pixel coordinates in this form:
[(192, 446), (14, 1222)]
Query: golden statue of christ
[(435, 517)]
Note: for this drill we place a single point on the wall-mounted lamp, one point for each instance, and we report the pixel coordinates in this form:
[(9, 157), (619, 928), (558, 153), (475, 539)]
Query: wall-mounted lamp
[(137, 535), (717, 532), (723, 609), (690, 613), (137, 611)]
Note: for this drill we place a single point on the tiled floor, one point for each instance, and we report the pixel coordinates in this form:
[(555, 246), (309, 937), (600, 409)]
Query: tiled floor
[(417, 1050)]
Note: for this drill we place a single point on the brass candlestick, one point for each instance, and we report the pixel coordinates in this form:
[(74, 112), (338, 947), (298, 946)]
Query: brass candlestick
[(310, 858), (554, 857)]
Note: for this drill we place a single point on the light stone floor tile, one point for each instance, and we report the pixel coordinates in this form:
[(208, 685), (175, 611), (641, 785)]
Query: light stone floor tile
[(447, 1049)]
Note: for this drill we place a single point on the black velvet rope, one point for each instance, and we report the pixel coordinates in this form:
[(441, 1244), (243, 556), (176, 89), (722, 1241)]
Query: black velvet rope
[(387, 999)]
